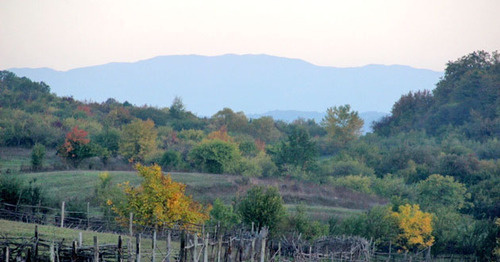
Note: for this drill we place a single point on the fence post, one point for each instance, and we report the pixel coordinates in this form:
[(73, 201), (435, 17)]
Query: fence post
[(195, 251), (229, 250), (80, 239), (120, 250), (130, 258), (6, 253), (263, 245), (138, 248), (169, 247), (96, 249), (62, 214), (183, 246), (279, 251), (390, 248), (205, 251), (153, 244), (219, 247), (252, 251), (131, 220), (28, 255), (88, 215), (73, 252), (52, 253), (35, 247)]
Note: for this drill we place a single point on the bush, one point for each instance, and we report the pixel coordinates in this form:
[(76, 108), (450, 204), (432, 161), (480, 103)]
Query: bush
[(269, 169), (389, 186), (37, 156), (350, 167), (355, 182), (170, 160), (223, 215), (215, 156), (262, 206), (301, 223)]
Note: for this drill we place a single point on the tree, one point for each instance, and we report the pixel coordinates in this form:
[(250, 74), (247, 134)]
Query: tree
[(109, 139), (159, 201), (439, 191), (235, 122), (262, 206), (223, 215), (177, 109), (264, 129), (415, 227), (215, 156), (170, 159), (37, 156), (138, 139), (299, 151), (76, 147), (342, 125)]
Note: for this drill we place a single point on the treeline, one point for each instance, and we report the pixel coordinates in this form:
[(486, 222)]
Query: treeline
[(438, 149)]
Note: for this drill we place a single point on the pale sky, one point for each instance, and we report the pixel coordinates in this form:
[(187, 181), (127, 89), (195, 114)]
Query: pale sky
[(66, 34)]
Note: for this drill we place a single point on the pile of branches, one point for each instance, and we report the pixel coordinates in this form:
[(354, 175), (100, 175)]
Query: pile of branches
[(339, 247)]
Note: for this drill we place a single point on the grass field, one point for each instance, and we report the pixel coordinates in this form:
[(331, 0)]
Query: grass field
[(67, 185), (321, 202), (57, 234)]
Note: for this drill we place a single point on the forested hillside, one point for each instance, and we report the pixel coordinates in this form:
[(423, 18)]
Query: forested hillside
[(436, 155)]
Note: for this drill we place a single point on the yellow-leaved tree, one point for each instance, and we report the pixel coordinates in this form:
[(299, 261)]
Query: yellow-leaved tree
[(159, 201), (415, 227)]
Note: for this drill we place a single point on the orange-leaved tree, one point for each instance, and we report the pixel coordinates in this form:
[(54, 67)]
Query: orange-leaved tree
[(159, 201), (415, 227), (76, 146)]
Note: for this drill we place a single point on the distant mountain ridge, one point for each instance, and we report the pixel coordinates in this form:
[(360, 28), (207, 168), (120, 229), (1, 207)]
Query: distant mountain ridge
[(291, 115), (249, 83)]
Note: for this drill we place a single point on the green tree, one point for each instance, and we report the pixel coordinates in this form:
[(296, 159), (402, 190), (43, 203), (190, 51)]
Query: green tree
[(302, 223), (223, 215), (170, 160), (298, 151), (439, 191), (262, 206), (37, 156), (264, 129), (177, 109), (138, 140), (109, 139), (342, 125), (235, 122), (215, 156)]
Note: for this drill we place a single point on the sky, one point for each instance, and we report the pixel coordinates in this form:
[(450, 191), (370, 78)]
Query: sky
[(66, 34)]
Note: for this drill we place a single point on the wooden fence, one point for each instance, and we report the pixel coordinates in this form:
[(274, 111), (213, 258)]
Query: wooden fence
[(203, 243)]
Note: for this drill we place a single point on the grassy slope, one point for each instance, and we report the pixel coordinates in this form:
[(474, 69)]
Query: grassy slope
[(320, 201)]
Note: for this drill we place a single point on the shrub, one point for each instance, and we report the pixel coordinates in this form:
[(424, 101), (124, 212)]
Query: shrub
[(37, 156), (355, 182), (170, 160), (262, 206)]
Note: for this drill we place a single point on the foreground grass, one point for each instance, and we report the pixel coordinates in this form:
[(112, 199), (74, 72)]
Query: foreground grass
[(57, 234)]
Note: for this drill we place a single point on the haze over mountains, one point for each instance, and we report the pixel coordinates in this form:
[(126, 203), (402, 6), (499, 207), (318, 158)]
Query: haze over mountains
[(253, 84)]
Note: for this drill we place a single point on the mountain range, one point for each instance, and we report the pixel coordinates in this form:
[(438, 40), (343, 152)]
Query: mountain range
[(250, 83)]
